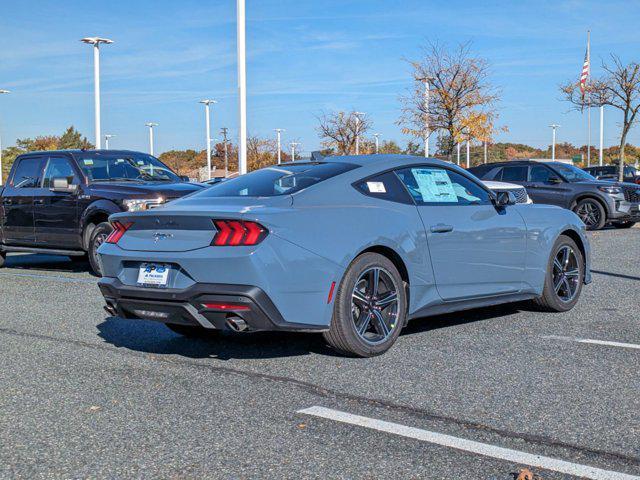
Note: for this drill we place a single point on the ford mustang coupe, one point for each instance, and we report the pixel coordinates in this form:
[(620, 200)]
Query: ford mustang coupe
[(353, 247)]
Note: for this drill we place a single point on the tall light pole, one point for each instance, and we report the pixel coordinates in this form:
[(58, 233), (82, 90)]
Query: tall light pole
[(468, 152), (278, 132), (224, 131), (242, 88), (458, 157), (554, 127), (377, 137), (96, 41), (601, 153), (427, 84), (106, 140), (151, 125), (207, 120), (1, 92), (293, 150), (357, 115)]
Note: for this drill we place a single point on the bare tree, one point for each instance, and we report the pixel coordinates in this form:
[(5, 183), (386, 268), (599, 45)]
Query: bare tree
[(339, 130), (619, 87), (461, 97)]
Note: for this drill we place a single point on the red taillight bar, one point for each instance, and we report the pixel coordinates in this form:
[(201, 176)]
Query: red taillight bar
[(234, 307), (234, 233), (118, 231)]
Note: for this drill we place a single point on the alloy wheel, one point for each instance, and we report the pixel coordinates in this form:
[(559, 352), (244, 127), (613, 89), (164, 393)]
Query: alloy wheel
[(589, 213), (566, 273), (374, 305)]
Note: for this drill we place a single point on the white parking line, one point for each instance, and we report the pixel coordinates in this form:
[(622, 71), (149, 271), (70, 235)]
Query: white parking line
[(607, 343), (485, 449)]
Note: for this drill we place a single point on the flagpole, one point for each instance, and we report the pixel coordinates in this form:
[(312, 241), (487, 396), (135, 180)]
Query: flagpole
[(589, 100)]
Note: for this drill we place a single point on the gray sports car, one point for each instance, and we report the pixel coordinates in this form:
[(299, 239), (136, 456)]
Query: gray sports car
[(352, 247)]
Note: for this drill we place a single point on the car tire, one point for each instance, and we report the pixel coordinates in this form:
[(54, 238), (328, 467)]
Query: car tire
[(623, 224), (192, 331), (592, 213), (98, 236), (552, 300), (379, 325)]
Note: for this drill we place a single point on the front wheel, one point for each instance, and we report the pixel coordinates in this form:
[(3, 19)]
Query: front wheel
[(564, 278), (370, 308), (592, 213), (98, 236)]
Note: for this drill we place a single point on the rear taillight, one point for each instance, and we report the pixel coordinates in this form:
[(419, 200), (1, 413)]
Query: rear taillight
[(118, 231), (234, 233)]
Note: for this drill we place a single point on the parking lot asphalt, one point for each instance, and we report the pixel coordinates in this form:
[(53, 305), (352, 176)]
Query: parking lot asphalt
[(87, 396)]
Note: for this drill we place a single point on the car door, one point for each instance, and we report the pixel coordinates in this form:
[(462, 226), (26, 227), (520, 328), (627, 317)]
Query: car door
[(56, 212), (547, 186), (17, 201), (477, 250)]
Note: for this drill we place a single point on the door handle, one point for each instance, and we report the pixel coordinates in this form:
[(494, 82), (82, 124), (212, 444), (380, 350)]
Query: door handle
[(38, 202), (441, 228)]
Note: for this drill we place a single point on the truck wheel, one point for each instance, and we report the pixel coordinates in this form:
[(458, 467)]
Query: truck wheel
[(98, 236), (592, 213)]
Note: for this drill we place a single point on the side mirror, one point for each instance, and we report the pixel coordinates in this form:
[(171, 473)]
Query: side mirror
[(504, 199), (61, 184), (185, 178), (555, 180)]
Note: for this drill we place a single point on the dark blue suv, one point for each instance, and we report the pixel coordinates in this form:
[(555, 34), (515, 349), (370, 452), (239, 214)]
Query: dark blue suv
[(596, 202)]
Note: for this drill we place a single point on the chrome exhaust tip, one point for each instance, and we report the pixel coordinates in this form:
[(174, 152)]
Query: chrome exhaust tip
[(237, 324), (110, 310)]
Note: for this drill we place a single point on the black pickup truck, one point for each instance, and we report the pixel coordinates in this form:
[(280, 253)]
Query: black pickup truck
[(58, 202)]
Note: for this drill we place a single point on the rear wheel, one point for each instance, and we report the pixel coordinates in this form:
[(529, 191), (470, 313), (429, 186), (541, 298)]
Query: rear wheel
[(623, 224), (564, 279), (98, 236), (192, 331), (370, 308), (592, 213)]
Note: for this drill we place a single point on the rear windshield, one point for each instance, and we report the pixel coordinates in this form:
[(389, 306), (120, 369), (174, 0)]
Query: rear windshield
[(277, 180)]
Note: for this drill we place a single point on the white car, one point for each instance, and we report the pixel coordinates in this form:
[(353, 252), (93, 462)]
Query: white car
[(518, 190)]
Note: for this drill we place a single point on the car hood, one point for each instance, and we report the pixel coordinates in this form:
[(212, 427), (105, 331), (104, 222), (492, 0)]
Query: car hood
[(145, 189)]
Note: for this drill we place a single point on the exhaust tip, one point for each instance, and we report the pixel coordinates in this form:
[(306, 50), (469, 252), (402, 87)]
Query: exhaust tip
[(110, 310), (237, 324)]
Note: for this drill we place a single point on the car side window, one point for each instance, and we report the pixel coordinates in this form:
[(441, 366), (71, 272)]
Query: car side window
[(515, 173), (27, 173), (59, 168), (540, 174), (438, 186), (386, 186)]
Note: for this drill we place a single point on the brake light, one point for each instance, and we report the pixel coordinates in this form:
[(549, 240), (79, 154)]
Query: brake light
[(233, 233), (118, 231)]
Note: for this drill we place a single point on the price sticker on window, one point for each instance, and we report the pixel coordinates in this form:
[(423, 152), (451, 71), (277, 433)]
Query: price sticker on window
[(376, 187)]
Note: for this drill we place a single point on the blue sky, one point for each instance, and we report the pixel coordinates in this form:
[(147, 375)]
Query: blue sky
[(303, 58)]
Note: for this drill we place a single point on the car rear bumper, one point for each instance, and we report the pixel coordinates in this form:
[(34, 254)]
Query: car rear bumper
[(189, 306)]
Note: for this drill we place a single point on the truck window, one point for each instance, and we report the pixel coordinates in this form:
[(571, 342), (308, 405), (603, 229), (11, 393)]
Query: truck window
[(27, 173), (58, 168)]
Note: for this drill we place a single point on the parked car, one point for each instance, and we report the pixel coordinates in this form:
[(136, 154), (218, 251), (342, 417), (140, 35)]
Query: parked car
[(610, 172), (596, 202), (59, 202), (518, 190), (352, 247)]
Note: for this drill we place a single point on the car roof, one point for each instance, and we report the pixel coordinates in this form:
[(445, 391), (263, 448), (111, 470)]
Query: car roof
[(378, 160), (80, 151)]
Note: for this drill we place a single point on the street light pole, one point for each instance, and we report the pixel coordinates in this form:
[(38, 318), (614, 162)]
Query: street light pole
[(242, 88), (458, 157), (151, 125), (427, 85), (96, 41), (553, 141), (1, 92), (278, 132), (293, 150), (468, 152), (377, 135), (106, 140), (207, 114), (357, 115), (224, 131), (601, 153)]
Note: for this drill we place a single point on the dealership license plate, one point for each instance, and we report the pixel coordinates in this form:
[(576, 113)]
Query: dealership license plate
[(154, 274)]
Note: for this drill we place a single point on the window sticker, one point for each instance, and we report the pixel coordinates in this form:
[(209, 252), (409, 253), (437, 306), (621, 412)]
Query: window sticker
[(88, 162), (435, 185), (376, 187)]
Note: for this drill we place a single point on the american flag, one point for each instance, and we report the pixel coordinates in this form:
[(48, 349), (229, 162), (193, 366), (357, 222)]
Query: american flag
[(584, 76)]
